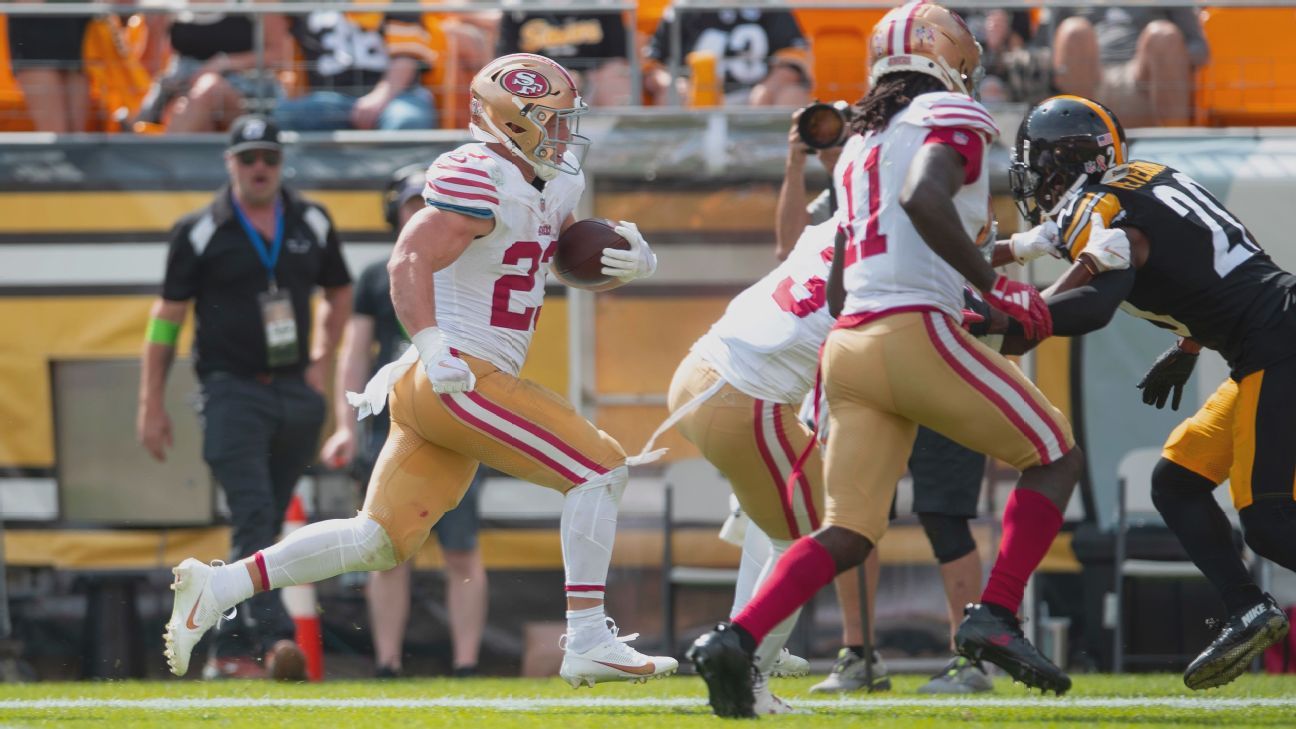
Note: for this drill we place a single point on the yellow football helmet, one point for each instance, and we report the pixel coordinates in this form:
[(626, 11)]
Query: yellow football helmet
[(530, 104), (927, 38)]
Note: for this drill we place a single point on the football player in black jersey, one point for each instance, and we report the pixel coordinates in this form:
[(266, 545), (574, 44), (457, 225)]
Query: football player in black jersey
[(1150, 239)]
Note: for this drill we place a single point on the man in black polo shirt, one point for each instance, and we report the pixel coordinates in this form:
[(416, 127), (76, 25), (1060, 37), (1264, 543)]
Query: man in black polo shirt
[(250, 261)]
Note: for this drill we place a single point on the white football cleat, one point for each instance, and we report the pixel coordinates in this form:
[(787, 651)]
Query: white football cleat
[(612, 660), (193, 612), (767, 704), (789, 666)]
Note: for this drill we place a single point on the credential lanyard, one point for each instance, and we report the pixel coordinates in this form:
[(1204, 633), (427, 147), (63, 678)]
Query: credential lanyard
[(269, 255)]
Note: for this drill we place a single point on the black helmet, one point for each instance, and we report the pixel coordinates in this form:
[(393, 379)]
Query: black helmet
[(1062, 140)]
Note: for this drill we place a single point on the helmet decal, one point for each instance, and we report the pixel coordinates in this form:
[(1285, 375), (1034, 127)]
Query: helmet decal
[(525, 82)]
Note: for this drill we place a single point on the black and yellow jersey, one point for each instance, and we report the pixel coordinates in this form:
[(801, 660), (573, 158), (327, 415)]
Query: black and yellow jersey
[(1205, 276)]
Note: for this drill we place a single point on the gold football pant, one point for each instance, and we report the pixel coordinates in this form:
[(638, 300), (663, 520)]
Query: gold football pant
[(436, 441), (1245, 432), (755, 443), (907, 368)]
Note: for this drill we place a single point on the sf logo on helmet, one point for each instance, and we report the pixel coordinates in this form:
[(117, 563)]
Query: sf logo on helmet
[(523, 82)]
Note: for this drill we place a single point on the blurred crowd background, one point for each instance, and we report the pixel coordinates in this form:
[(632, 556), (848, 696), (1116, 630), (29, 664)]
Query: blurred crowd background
[(153, 68)]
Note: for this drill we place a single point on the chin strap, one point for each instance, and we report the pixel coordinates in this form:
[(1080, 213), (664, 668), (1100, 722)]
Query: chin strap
[(492, 134)]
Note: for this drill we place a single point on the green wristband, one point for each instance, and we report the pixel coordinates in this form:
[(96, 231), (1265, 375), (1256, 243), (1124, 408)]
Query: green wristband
[(161, 331)]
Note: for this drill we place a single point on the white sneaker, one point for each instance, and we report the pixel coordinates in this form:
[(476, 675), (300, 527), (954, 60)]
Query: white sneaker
[(193, 612), (789, 666), (767, 704), (612, 660)]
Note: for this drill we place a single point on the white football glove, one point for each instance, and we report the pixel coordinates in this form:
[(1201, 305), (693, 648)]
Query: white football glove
[(447, 372), (1033, 243), (628, 265), (1108, 249)]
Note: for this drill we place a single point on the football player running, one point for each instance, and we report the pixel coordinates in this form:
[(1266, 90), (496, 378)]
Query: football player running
[(915, 197), (1149, 239), (736, 397), (467, 279)]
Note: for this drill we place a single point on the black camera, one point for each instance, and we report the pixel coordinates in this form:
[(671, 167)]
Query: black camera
[(821, 125)]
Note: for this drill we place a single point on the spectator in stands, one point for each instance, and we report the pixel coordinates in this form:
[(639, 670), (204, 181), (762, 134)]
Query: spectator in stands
[(46, 56), (1139, 61), (1015, 70), (212, 72), (388, 593), (591, 45), (250, 262), (364, 73), (760, 55)]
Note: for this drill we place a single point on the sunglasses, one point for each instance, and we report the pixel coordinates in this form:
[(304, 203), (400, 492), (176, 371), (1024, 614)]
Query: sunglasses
[(271, 157)]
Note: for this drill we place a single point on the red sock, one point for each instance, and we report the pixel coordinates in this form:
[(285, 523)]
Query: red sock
[(801, 572), (1030, 523)]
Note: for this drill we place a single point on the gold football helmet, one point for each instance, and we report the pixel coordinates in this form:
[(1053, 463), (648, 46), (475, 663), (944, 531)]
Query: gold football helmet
[(927, 38), (530, 104)]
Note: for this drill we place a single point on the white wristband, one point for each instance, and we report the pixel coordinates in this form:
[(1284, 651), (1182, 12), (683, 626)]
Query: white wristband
[(428, 343)]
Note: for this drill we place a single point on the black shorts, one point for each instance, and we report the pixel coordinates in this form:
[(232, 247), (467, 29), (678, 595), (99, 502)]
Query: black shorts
[(46, 42), (946, 476)]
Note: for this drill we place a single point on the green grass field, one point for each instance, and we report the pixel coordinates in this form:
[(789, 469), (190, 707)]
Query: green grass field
[(1143, 700)]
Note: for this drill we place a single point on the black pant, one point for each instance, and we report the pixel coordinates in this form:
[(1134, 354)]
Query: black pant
[(258, 438)]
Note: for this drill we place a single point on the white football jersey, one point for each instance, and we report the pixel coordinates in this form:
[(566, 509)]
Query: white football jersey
[(489, 299), (888, 265), (767, 343)]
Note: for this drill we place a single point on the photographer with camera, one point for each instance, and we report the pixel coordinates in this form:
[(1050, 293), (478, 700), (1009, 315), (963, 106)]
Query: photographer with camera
[(818, 129), (946, 476)]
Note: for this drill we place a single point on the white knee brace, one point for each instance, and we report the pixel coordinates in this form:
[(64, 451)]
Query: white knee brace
[(328, 548)]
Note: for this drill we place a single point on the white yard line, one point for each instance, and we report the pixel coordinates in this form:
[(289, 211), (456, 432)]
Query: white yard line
[(520, 704)]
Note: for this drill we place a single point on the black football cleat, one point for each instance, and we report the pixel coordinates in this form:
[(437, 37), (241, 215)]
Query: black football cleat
[(728, 670), (1246, 634), (998, 638)]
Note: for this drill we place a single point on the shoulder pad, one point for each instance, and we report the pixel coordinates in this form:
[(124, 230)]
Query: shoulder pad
[(941, 109), (1073, 222), (465, 181)]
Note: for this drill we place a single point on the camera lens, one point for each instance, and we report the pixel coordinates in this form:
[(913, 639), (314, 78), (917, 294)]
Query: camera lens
[(821, 126)]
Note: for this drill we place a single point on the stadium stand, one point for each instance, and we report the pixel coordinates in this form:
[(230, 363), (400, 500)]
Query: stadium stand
[(1247, 83), (838, 49), (13, 108)]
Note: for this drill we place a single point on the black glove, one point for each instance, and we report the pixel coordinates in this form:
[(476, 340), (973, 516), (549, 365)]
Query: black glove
[(1171, 370), (977, 306)]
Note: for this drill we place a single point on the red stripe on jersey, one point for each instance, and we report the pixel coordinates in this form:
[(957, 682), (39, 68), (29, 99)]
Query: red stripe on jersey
[(967, 143), (952, 119), (464, 195), (961, 112), (467, 183), (461, 168)]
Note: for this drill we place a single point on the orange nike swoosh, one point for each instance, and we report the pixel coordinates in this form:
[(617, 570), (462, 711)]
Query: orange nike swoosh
[(646, 669), (189, 623)]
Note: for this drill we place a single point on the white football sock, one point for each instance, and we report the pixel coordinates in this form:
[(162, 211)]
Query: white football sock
[(755, 553), (768, 650), (588, 530), (328, 548), (230, 585), (586, 628)]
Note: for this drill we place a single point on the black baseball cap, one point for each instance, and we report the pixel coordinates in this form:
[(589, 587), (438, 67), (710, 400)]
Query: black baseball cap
[(253, 132), (406, 184)]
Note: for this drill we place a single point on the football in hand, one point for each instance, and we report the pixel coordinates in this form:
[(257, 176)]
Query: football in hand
[(578, 259)]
